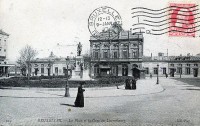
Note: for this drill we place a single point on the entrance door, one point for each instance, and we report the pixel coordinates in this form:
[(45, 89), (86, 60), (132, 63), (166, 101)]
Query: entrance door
[(36, 71), (124, 70), (48, 71), (115, 70), (195, 72), (172, 72)]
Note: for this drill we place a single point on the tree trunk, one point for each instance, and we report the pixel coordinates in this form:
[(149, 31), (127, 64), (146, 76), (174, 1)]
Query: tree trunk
[(28, 72)]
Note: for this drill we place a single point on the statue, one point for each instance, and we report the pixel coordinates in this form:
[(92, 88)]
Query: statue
[(79, 49)]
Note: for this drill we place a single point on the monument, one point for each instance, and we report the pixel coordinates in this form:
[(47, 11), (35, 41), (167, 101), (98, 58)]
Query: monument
[(79, 74)]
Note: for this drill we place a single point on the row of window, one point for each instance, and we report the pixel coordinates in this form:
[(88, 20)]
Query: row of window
[(179, 70), (115, 54), (188, 65), (56, 70), (155, 70), (116, 45), (42, 65)]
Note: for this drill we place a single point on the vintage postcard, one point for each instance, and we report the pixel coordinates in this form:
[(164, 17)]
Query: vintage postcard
[(99, 63)]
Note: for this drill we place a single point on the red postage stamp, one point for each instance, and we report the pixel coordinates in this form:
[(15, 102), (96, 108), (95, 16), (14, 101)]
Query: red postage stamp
[(182, 20)]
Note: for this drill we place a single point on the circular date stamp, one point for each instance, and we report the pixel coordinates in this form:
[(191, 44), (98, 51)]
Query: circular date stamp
[(101, 20)]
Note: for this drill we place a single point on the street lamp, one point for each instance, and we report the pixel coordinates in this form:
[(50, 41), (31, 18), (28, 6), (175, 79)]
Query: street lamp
[(180, 70), (67, 84), (157, 74)]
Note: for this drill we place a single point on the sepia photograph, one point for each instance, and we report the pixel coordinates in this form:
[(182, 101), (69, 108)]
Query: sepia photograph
[(99, 63)]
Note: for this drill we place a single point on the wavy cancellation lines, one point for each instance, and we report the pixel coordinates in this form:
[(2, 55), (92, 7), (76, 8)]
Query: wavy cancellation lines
[(166, 20)]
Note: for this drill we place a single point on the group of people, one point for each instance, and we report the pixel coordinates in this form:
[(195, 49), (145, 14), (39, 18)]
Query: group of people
[(130, 84)]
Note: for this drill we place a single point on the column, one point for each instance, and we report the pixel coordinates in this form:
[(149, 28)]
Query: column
[(129, 69), (119, 70)]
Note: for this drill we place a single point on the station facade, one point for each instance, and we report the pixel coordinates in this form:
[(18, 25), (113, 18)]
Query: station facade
[(123, 56), (119, 56)]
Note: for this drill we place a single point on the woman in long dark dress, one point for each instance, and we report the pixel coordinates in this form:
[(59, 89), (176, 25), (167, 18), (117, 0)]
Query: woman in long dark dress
[(80, 97), (133, 84), (127, 84)]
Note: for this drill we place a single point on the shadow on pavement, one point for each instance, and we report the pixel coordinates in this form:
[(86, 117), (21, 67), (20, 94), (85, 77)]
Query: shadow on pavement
[(67, 104), (191, 89)]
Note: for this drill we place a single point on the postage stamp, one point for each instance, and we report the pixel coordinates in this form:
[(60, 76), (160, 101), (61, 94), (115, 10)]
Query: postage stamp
[(101, 19), (182, 20)]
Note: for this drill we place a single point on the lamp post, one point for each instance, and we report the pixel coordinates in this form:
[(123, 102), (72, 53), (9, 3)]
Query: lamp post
[(67, 84), (157, 74), (180, 70)]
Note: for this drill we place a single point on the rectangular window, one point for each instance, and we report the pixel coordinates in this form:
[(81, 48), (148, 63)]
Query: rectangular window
[(42, 71), (105, 54), (115, 55), (64, 69), (187, 70), (164, 70), (134, 54), (56, 70), (179, 70), (146, 70), (96, 70), (125, 54), (155, 70), (96, 55)]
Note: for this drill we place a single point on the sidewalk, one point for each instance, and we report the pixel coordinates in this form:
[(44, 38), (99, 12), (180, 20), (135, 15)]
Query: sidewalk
[(146, 86)]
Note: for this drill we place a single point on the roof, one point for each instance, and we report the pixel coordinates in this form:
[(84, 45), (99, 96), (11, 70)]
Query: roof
[(3, 33), (184, 58), (171, 58), (122, 35)]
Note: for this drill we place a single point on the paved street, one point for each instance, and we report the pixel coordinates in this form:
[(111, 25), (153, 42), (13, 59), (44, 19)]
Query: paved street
[(177, 105)]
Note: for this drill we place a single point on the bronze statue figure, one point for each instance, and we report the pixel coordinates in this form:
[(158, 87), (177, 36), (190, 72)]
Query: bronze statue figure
[(79, 49)]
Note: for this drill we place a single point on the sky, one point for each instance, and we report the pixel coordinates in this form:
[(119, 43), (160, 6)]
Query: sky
[(49, 25)]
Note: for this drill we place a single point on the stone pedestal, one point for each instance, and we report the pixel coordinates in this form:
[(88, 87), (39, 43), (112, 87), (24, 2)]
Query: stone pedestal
[(79, 65)]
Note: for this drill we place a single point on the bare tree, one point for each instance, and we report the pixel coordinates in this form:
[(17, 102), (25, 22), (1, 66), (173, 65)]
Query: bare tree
[(26, 55)]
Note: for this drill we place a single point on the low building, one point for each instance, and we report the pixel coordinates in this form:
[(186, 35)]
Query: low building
[(51, 66), (172, 65)]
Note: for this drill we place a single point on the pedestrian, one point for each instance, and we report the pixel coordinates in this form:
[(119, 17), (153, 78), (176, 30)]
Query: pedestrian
[(133, 84), (80, 97), (150, 75), (166, 75), (128, 84)]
